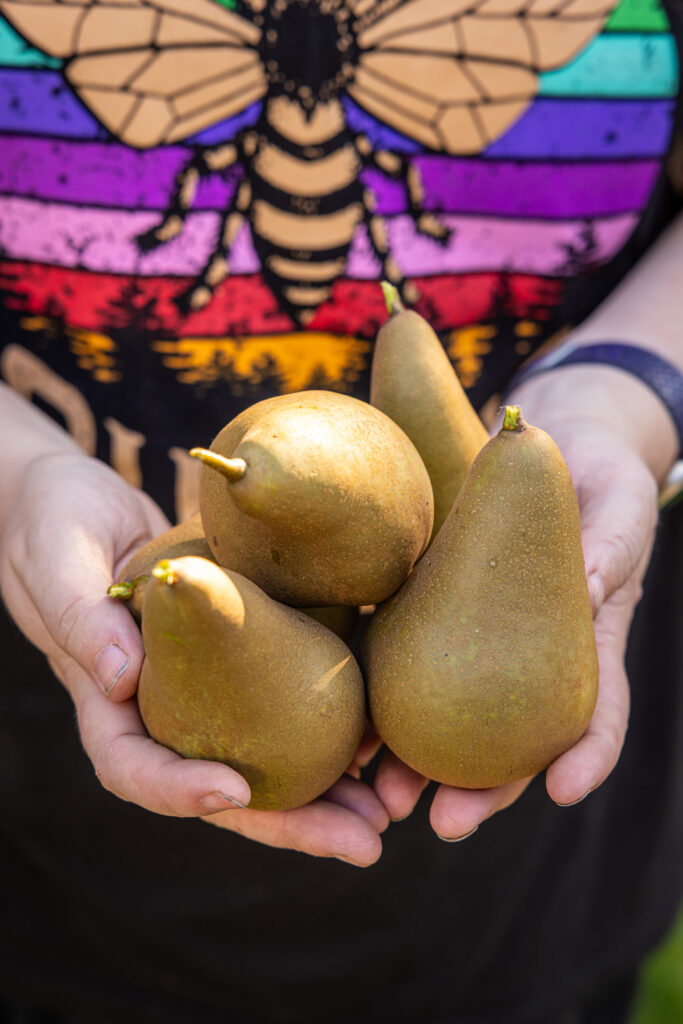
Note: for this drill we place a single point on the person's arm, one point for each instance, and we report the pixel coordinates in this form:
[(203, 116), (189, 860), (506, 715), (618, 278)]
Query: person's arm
[(68, 524), (619, 442)]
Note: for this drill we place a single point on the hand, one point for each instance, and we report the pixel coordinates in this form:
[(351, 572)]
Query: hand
[(618, 502), (72, 526)]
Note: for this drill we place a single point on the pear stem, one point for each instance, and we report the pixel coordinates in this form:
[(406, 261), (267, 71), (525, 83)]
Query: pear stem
[(125, 589), (232, 469), (164, 571), (513, 418), (392, 298)]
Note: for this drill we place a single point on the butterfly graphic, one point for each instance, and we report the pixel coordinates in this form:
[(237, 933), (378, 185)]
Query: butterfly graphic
[(450, 75)]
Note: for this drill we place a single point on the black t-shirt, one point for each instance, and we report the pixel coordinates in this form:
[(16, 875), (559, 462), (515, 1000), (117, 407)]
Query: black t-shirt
[(198, 200), (197, 204)]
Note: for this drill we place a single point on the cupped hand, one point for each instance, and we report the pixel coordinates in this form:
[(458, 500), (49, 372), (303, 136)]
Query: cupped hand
[(617, 496), (72, 526)]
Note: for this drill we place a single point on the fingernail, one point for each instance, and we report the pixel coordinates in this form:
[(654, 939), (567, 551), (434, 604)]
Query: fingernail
[(458, 839), (402, 818), (575, 802), (219, 802), (349, 860), (596, 591), (110, 664)]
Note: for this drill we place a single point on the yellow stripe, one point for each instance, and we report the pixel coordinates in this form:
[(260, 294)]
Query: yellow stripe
[(305, 270), (297, 177), (298, 359), (293, 231)]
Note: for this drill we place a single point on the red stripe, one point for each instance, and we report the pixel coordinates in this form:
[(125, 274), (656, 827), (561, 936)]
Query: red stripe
[(245, 306)]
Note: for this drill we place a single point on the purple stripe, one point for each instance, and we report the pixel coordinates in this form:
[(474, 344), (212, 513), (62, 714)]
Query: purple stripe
[(512, 189), (112, 175), (559, 129), (39, 102), (104, 174)]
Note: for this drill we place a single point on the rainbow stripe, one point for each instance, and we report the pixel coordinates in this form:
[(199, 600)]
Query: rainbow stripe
[(79, 297), (589, 148), (105, 241)]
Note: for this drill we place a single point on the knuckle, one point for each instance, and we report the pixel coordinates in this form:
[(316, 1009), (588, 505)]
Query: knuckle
[(105, 776), (66, 621), (289, 836), (164, 784)]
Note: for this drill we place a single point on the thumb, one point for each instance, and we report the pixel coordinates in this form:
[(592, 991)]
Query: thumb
[(618, 527), (76, 620)]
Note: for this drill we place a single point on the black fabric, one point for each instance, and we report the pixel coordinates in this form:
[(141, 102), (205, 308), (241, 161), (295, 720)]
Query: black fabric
[(118, 913)]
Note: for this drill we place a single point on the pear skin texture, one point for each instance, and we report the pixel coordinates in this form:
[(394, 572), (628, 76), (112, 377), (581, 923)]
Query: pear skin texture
[(483, 667), (231, 675), (184, 539), (414, 383), (335, 505)]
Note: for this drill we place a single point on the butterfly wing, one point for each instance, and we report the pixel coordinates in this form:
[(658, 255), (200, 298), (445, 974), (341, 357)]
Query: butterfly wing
[(454, 74), (152, 72)]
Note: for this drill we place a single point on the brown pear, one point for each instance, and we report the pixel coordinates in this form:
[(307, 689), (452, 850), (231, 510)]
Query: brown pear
[(183, 539), (233, 676), (413, 382), (318, 498), (483, 667)]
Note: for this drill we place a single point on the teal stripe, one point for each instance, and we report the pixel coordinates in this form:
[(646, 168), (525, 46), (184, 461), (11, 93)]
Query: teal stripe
[(16, 53), (624, 66)]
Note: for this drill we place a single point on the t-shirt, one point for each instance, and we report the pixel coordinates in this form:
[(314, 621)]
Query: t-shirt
[(198, 200)]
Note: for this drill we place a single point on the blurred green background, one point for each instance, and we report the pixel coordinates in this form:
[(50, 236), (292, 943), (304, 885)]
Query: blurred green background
[(660, 995)]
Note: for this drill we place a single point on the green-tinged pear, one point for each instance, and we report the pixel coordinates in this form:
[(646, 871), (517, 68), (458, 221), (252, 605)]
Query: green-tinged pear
[(483, 667), (186, 538), (318, 498), (233, 676), (414, 383)]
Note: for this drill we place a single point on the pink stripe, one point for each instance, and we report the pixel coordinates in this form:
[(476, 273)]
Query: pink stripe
[(487, 243), (105, 241)]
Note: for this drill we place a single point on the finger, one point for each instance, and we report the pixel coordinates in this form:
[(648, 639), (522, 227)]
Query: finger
[(618, 525), (361, 799), (456, 813), (62, 606), (368, 747), (157, 521), (398, 786), (321, 828), (588, 763), (132, 766)]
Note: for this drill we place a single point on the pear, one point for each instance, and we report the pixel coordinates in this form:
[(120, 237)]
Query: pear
[(316, 497), (413, 382), (185, 538), (483, 667), (188, 538), (231, 675)]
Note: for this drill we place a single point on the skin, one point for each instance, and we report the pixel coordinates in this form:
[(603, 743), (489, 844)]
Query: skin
[(618, 442)]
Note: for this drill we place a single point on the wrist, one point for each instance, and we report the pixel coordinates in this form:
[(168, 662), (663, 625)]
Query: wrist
[(607, 399)]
